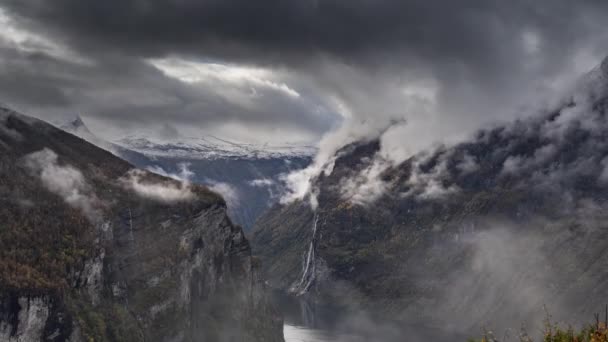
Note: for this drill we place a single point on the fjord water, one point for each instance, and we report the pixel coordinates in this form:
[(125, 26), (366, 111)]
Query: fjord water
[(310, 320), (294, 333), (306, 320), (299, 333)]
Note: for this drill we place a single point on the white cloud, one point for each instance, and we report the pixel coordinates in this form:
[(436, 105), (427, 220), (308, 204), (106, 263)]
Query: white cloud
[(184, 175), (262, 182), (403, 115), (505, 268), (164, 191), (544, 154), (603, 177), (468, 164), (411, 112), (242, 76), (367, 186), (228, 192), (63, 180), (517, 164), (16, 36), (299, 183), (429, 185), (512, 165)]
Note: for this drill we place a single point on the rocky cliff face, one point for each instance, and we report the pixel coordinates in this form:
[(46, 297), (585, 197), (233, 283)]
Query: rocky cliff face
[(92, 249), (481, 234)]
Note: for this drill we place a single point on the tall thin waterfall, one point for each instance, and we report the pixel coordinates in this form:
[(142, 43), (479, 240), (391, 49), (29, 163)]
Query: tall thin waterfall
[(308, 263)]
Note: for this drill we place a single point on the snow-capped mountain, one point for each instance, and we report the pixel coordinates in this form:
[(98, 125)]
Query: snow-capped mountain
[(203, 147), (211, 147)]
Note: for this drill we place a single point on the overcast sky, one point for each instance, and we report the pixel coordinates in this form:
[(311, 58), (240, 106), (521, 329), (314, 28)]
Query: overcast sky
[(291, 70)]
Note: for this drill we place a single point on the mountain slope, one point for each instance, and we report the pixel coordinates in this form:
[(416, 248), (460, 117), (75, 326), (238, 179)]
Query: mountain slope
[(93, 249), (483, 233)]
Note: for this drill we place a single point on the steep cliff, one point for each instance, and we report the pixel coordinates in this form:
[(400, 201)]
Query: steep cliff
[(92, 249)]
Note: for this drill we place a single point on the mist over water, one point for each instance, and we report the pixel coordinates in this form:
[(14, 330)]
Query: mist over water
[(308, 319), (295, 333), (512, 281)]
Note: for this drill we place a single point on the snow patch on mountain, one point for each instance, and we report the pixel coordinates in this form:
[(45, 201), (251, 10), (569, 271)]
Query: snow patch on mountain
[(211, 147)]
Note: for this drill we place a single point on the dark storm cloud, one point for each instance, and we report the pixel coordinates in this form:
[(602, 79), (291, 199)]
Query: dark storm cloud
[(130, 93), (18, 75), (482, 56), (472, 30)]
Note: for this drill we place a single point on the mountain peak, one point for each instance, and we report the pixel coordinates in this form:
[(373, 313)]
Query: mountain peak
[(77, 127), (75, 124), (78, 121)]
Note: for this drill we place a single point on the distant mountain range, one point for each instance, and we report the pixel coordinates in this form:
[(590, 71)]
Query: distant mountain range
[(484, 234), (247, 175), (211, 147), (203, 147)]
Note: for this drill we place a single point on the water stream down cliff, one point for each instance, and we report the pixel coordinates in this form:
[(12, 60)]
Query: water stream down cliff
[(309, 263)]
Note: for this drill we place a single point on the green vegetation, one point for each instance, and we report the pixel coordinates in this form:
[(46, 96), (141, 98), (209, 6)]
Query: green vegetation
[(590, 333), (105, 322), (41, 245), (552, 332)]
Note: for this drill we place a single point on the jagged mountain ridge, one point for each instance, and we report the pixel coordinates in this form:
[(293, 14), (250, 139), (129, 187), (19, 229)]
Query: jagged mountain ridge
[(247, 175), (477, 235), (93, 249)]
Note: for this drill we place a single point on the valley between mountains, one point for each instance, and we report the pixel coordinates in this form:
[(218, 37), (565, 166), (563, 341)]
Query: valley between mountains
[(132, 241)]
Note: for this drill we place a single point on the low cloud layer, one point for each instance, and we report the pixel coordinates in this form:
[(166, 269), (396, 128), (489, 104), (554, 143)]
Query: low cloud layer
[(366, 186), (483, 275), (508, 283), (184, 173), (228, 192), (63, 180), (155, 189), (550, 150)]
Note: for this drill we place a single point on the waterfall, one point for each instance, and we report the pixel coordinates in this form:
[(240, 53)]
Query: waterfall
[(308, 263)]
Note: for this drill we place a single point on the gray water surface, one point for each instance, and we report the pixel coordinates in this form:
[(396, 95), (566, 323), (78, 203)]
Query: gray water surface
[(295, 333), (309, 320)]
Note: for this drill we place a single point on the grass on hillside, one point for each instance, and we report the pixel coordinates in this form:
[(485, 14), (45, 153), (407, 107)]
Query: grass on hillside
[(552, 332)]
